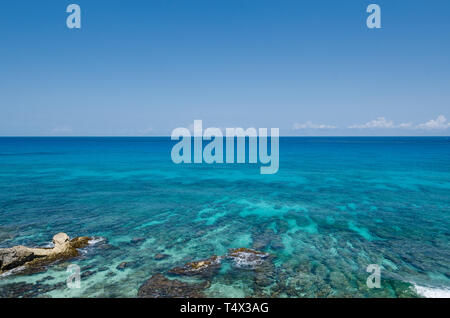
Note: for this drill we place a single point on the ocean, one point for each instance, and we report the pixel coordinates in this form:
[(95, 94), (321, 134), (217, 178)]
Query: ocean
[(335, 206)]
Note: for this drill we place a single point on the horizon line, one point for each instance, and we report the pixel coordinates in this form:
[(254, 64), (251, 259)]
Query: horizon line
[(281, 136)]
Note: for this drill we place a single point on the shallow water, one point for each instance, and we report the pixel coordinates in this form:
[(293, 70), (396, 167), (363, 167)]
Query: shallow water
[(335, 206)]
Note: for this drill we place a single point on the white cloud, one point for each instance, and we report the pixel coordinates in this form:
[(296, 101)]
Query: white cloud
[(439, 123), (380, 122), (310, 125)]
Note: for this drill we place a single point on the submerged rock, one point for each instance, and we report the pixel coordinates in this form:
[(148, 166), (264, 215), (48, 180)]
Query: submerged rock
[(137, 240), (122, 266), (265, 239), (205, 268), (64, 248), (247, 258), (242, 258), (265, 275), (87, 273), (158, 286), (159, 256), (25, 290)]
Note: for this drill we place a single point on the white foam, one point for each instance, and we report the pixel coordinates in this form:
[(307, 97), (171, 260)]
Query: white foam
[(432, 292), (96, 240), (49, 245), (12, 271), (249, 260)]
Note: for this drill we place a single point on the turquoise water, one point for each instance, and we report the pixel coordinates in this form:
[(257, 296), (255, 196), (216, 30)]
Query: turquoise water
[(335, 206)]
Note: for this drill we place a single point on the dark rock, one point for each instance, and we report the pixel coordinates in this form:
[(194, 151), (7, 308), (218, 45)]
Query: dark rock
[(46, 278), (204, 268), (88, 267), (80, 242), (159, 256), (110, 274), (107, 246), (24, 290), (200, 233), (122, 266), (159, 286), (85, 274), (137, 240)]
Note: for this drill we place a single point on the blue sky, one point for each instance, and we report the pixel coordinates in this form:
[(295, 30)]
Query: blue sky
[(147, 67)]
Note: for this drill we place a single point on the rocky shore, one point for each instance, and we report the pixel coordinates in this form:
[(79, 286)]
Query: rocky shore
[(36, 258)]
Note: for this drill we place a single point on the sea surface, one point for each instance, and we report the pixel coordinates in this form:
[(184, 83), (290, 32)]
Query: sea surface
[(336, 206)]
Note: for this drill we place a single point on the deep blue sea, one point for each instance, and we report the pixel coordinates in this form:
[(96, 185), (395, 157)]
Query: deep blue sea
[(335, 206)]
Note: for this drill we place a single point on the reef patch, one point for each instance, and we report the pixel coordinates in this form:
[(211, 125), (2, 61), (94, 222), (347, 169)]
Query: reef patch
[(204, 268), (159, 286), (247, 258)]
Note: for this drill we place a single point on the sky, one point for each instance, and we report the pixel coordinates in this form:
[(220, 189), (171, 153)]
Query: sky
[(144, 68)]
